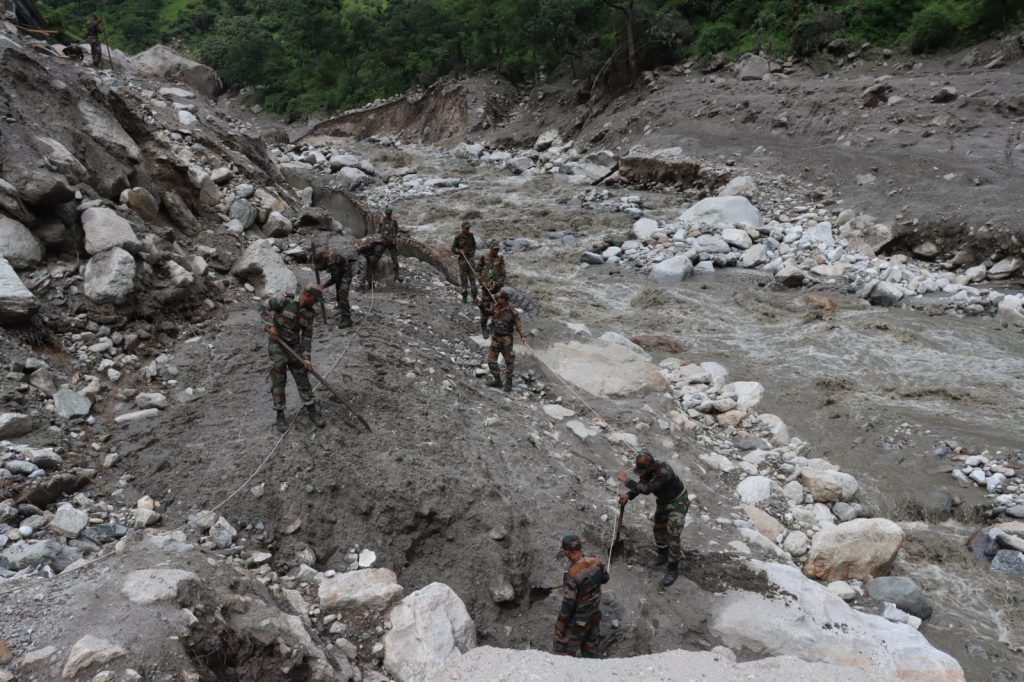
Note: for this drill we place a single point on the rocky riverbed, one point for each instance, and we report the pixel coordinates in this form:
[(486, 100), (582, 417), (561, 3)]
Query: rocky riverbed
[(836, 403)]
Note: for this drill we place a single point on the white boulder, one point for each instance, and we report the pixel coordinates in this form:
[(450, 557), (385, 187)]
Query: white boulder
[(110, 276), (861, 549), (430, 630), (722, 211)]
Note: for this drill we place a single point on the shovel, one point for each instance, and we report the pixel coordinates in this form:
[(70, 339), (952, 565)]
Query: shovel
[(327, 385), (615, 537)]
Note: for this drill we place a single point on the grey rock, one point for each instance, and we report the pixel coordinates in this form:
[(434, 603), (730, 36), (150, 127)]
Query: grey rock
[(790, 276), (591, 258), (277, 225), (110, 276), (945, 94), (101, 125), (142, 202), (674, 269), (87, 652), (180, 214), (44, 380), (162, 62), (18, 245), (222, 533), (153, 585), (43, 553), (502, 591), (20, 467), (1008, 562), (752, 68), (69, 403), (69, 522), (17, 304), (11, 204), (1016, 512), (39, 186), (906, 594), (885, 294), (244, 212), (1006, 267), (146, 400), (138, 415), (104, 230), (222, 175), (264, 268), (46, 459), (14, 424)]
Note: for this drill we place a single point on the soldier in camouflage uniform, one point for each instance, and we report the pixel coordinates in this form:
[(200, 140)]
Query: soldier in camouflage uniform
[(464, 248), (389, 230), (491, 271), (339, 270), (658, 479), (506, 320), (288, 319), (579, 618)]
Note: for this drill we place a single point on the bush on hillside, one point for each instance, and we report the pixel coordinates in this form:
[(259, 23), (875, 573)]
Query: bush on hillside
[(715, 37), (932, 28)]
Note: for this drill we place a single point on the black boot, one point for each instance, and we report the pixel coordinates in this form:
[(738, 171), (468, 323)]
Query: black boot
[(281, 423), (671, 573), (659, 560), (484, 331), (345, 322), (314, 416), (474, 295), (464, 299), (508, 383), (494, 380)]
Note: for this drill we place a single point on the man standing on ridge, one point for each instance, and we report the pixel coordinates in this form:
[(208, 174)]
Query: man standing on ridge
[(464, 248), (657, 478), (491, 271), (506, 320), (579, 618), (288, 319), (94, 29)]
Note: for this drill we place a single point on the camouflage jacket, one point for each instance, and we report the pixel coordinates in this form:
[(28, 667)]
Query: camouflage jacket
[(339, 271), (465, 244), (662, 483), (491, 272), (581, 588), (293, 322), (389, 230), (505, 321)]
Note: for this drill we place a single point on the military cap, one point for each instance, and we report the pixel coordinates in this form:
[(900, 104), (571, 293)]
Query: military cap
[(572, 543), (465, 223)]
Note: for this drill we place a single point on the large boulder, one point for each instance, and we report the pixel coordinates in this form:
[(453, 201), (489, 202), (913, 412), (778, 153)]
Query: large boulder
[(17, 303), (87, 652), (38, 186), (605, 370), (104, 229), (746, 393), (152, 585), (14, 424), (829, 486), (645, 228), (728, 211), (370, 588), (906, 594), (18, 245), (142, 202), (244, 212), (670, 166), (11, 203), (752, 68), (161, 61), (264, 268), (180, 214), (61, 160), (430, 630), (110, 276), (860, 549), (674, 269), (807, 621), (101, 126)]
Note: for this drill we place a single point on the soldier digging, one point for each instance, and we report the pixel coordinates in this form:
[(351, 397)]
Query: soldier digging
[(289, 320)]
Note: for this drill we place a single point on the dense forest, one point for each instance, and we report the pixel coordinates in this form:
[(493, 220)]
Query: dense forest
[(306, 55)]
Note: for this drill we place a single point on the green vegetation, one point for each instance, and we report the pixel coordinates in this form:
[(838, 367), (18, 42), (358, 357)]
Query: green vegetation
[(306, 55)]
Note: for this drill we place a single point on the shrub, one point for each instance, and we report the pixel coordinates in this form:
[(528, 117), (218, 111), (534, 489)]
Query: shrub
[(715, 37), (933, 27)]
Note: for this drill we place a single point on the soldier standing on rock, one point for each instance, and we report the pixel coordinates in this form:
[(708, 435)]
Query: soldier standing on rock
[(657, 478), (506, 320), (491, 271), (288, 319), (339, 271), (94, 28), (464, 248), (579, 618)]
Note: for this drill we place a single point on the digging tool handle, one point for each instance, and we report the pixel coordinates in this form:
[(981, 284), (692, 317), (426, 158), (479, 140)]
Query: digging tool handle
[(316, 273), (325, 383), (615, 536)]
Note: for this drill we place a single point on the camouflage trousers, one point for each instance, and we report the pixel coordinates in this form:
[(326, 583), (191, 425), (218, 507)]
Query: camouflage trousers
[(501, 345), (669, 520), (341, 290), (467, 280), (97, 52), (581, 634), (280, 364)]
